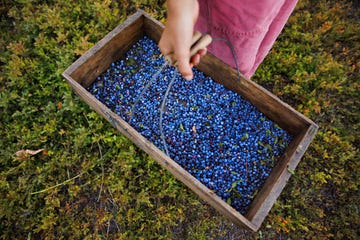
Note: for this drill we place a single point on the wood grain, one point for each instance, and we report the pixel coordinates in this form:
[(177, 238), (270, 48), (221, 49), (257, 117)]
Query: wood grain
[(113, 46), (109, 49)]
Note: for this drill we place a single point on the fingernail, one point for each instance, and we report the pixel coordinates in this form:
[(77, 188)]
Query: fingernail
[(188, 77)]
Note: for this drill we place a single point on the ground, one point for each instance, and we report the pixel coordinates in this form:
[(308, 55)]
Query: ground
[(88, 181)]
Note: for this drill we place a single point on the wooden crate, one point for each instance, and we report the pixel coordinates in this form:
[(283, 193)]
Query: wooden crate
[(113, 46)]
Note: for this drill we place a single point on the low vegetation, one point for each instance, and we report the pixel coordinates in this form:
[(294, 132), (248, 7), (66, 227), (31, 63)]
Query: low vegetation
[(65, 173)]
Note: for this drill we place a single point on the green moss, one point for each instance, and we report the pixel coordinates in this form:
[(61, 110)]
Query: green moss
[(90, 182)]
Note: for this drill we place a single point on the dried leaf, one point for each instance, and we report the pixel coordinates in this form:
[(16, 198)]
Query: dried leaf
[(26, 153)]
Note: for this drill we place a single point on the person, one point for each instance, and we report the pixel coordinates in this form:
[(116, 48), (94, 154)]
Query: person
[(249, 29)]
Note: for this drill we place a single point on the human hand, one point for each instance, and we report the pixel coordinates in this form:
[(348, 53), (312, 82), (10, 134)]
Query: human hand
[(178, 33)]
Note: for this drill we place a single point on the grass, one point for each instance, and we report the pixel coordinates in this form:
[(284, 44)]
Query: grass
[(90, 182)]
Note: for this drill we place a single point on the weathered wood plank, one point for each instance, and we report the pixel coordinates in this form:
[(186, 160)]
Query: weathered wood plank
[(265, 101), (201, 190), (113, 46), (107, 50), (278, 111), (152, 28), (279, 176)]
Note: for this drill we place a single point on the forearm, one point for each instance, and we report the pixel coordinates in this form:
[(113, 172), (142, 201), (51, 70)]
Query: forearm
[(178, 32), (182, 15), (177, 7)]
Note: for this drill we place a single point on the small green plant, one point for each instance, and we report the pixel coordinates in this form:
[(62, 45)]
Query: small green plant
[(90, 182)]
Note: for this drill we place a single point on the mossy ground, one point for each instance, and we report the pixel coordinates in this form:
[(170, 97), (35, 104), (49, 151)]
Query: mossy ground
[(90, 182)]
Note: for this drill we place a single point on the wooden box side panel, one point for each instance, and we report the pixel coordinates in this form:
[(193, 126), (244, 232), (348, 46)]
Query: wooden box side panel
[(77, 79), (85, 70), (279, 176), (281, 113), (107, 50), (165, 161), (270, 105), (278, 111), (153, 28)]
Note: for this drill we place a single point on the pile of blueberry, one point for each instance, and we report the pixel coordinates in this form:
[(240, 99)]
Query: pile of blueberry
[(213, 133)]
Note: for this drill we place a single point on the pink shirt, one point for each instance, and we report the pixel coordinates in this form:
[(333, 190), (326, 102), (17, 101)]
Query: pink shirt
[(251, 26)]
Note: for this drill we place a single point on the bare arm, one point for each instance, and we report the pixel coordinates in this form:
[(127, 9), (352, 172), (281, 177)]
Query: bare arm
[(178, 33)]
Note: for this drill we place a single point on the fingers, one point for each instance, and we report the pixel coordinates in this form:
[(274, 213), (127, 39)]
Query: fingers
[(181, 53), (164, 44), (195, 60), (177, 49), (202, 52), (177, 36), (183, 64)]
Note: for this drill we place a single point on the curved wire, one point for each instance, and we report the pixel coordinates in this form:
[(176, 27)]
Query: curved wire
[(162, 108), (233, 52), (146, 88)]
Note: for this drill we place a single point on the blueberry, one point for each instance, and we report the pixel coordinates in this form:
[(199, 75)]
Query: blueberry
[(213, 133)]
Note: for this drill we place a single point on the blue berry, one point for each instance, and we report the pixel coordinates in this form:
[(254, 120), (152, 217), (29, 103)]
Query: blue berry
[(213, 133)]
